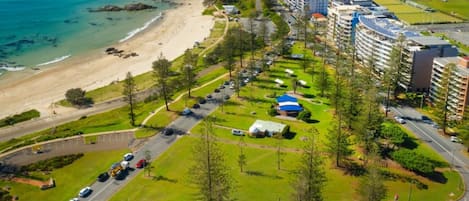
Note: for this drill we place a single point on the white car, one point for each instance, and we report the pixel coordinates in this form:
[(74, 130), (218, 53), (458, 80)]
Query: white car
[(128, 156), (237, 132), (84, 192), (74, 199), (455, 139), (399, 119)]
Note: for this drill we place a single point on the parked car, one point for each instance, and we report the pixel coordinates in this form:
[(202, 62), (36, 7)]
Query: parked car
[(209, 96), (202, 101), (269, 62), (186, 111), (226, 83), (103, 177), (195, 106), (128, 156), (237, 132), (216, 90), (85, 192), (232, 86), (226, 97), (399, 119), (221, 87), (455, 139), (74, 199), (427, 120), (167, 131), (141, 163)]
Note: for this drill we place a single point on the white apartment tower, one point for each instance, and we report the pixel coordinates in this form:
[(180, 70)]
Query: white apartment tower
[(341, 24)]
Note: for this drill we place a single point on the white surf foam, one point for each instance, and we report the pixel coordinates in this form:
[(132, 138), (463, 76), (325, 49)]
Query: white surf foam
[(138, 30), (58, 59), (11, 68)]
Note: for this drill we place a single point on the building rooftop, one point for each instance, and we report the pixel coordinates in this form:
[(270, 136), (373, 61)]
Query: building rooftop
[(429, 40), (262, 126), (455, 60), (385, 26)]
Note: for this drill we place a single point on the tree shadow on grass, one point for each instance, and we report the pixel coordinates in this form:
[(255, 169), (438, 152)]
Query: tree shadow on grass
[(261, 174), (436, 177), (163, 178), (268, 87), (309, 96), (410, 143), (312, 121), (289, 135), (353, 168)]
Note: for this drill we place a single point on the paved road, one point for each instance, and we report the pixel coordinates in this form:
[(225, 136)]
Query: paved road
[(42, 123), (157, 145), (451, 151)]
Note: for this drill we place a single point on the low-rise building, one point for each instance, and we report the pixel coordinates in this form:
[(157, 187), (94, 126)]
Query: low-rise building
[(267, 128), (458, 85)]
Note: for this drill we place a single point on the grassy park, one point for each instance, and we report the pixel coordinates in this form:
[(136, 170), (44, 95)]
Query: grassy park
[(170, 180), (262, 179), (412, 15)]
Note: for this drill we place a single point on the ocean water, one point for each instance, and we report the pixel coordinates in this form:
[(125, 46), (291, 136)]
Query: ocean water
[(36, 33)]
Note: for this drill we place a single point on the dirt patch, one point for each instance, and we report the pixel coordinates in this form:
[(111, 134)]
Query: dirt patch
[(33, 182)]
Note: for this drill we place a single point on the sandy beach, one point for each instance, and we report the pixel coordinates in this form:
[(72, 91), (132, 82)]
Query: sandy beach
[(178, 29)]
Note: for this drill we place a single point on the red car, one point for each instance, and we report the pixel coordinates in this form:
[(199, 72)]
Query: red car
[(141, 163)]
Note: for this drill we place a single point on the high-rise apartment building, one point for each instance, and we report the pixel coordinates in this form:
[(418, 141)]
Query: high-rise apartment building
[(342, 20), (313, 6), (417, 61), (458, 84), (375, 38)]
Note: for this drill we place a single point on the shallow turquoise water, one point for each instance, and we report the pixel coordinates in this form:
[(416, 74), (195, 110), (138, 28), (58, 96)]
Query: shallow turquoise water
[(34, 32)]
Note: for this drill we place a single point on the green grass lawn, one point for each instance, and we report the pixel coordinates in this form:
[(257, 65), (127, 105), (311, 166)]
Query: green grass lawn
[(413, 15), (261, 179), (69, 179), (459, 7)]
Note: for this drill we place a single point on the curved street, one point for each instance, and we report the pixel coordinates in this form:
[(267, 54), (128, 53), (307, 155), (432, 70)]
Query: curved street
[(452, 152)]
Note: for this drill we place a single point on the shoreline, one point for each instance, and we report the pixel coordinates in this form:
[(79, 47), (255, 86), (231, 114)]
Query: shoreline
[(169, 35)]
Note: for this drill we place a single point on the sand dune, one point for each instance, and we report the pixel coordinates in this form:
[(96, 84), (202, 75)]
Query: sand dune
[(176, 31)]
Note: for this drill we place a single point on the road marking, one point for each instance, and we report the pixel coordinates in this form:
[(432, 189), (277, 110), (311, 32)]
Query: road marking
[(431, 137), (104, 188)]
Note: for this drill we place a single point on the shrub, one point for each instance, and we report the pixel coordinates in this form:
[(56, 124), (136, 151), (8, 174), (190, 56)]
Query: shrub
[(304, 115), (52, 163), (77, 97), (272, 112), (17, 118), (413, 161)]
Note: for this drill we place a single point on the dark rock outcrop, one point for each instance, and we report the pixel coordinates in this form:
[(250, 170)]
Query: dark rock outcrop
[(128, 7)]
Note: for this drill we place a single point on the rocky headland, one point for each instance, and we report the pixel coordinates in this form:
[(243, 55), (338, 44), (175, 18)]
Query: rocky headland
[(128, 7)]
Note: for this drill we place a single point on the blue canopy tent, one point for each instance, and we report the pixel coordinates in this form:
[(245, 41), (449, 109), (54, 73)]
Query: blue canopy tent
[(291, 108), (286, 98)]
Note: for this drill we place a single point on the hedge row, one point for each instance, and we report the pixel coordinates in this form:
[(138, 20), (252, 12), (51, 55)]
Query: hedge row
[(52, 163), (17, 118)]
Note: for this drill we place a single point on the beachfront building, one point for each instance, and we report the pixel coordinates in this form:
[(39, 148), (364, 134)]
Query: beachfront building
[(342, 20), (262, 128), (417, 61), (312, 6), (458, 84), (375, 38)]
